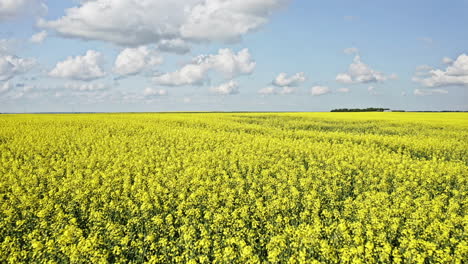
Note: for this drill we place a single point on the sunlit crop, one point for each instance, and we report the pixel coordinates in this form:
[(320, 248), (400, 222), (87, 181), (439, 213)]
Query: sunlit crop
[(234, 188)]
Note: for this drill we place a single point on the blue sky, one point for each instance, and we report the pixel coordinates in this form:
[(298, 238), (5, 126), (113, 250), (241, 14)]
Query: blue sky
[(226, 55)]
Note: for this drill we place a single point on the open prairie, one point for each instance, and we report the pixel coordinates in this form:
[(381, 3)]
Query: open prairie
[(234, 188)]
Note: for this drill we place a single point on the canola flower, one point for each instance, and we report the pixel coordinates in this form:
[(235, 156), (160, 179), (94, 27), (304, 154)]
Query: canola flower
[(234, 188)]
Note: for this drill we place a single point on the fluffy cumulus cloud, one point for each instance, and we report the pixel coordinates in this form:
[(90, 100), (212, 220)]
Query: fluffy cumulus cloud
[(229, 88), (10, 9), (190, 74), (456, 74), (226, 62), (227, 20), (11, 66), (84, 68), (229, 63), (284, 84), (359, 72), (283, 80), (39, 37), (344, 78), (128, 22), (425, 92), (132, 61), (319, 90)]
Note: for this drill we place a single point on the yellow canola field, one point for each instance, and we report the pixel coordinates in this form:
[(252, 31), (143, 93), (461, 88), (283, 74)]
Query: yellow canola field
[(234, 188)]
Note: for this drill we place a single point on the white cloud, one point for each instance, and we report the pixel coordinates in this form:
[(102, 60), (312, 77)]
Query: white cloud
[(177, 46), (319, 90), (267, 91), (424, 92), (360, 72), (10, 66), (287, 90), (190, 74), (230, 64), (229, 88), (83, 68), (6, 87), (226, 62), (344, 78), (152, 92), (350, 51), (343, 90), (124, 22), (134, 23), (39, 37), (455, 74), (459, 67), (10, 9), (447, 60), (422, 70), (227, 20), (283, 80), (272, 90), (132, 61)]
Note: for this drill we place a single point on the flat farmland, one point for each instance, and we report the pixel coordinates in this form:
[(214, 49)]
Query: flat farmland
[(234, 188)]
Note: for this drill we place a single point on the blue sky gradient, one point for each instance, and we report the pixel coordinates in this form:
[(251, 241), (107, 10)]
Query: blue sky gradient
[(392, 38)]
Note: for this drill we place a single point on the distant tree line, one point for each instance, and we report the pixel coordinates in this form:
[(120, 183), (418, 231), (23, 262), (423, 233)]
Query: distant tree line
[(370, 109)]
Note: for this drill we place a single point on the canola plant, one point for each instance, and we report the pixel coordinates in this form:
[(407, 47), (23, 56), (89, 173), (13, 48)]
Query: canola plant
[(234, 188)]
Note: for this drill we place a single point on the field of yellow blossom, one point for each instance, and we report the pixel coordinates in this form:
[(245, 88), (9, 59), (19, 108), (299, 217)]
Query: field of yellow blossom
[(234, 188)]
